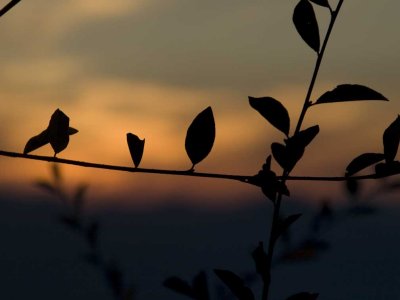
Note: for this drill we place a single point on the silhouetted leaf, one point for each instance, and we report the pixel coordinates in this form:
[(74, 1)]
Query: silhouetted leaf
[(200, 136), (136, 147), (200, 286), (261, 261), (272, 110), (350, 92), (287, 156), (363, 161), (115, 279), (391, 138), (36, 142), (180, 286), (235, 284), (303, 296), (352, 186), (321, 2), (304, 137), (58, 131), (306, 24), (387, 169)]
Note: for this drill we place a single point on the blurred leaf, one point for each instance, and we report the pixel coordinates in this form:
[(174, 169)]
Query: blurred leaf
[(136, 148), (58, 131), (92, 234), (352, 186), (303, 296), (179, 286), (200, 136), (306, 24), (114, 279), (56, 173), (129, 294), (46, 186), (36, 142), (261, 261), (350, 92), (273, 111), (321, 2), (71, 221), (363, 161), (287, 222), (391, 138), (235, 284), (200, 286)]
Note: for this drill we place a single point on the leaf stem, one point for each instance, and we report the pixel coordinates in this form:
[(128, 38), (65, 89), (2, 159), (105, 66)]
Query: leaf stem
[(8, 7)]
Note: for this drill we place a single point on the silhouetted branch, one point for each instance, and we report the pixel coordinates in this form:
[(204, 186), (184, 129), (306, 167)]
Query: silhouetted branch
[(242, 178), (8, 6)]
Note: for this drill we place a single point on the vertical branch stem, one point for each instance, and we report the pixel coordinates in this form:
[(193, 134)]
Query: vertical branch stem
[(8, 7), (306, 105)]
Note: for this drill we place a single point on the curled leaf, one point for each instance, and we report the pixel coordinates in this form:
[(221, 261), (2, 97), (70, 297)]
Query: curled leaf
[(235, 284), (136, 148), (200, 136), (36, 142), (306, 24), (272, 110), (363, 161), (391, 139), (350, 92)]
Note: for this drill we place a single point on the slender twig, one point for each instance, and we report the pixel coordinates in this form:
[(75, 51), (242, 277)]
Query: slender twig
[(285, 173), (8, 7), (242, 178), (307, 102)]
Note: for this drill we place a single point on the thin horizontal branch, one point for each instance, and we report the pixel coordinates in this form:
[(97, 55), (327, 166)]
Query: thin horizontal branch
[(242, 178), (8, 6)]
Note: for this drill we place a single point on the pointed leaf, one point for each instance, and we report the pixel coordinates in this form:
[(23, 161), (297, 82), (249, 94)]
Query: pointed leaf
[(72, 131), (287, 156), (261, 261), (272, 110), (280, 155), (391, 139), (58, 131), (304, 137), (321, 2), (200, 136), (37, 142), (306, 24), (350, 92), (180, 286), (304, 296), (235, 284), (136, 148), (363, 161)]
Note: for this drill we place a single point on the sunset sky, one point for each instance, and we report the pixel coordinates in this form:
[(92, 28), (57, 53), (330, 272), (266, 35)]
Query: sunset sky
[(150, 66)]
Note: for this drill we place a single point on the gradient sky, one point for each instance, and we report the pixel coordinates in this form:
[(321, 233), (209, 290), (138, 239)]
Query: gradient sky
[(150, 66)]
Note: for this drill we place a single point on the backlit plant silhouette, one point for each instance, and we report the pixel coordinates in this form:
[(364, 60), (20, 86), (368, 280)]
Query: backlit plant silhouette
[(286, 152)]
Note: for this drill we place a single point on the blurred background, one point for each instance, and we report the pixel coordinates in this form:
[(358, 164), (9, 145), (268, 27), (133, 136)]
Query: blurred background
[(149, 67)]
